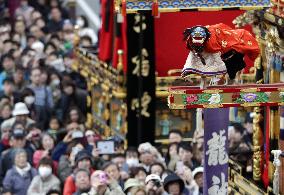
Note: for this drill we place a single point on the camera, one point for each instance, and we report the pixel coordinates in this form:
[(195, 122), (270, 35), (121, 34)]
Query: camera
[(103, 178), (77, 134), (157, 183)]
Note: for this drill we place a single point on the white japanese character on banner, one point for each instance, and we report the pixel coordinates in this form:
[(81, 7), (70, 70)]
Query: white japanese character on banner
[(219, 187), (216, 149)]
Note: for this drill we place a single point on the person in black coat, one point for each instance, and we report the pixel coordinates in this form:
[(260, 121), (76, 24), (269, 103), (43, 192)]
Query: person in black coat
[(72, 96)]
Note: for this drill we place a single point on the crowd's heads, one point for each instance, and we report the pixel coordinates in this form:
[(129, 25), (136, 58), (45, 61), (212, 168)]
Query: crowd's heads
[(185, 152), (197, 175), (112, 170), (173, 184), (153, 184), (157, 168), (7, 60), (28, 96), (45, 167), (99, 179), (132, 159), (185, 173), (83, 160), (47, 142), (130, 185), (82, 21), (175, 136), (20, 158), (148, 153), (17, 138), (235, 133), (138, 173), (119, 160), (20, 109), (56, 14), (82, 180)]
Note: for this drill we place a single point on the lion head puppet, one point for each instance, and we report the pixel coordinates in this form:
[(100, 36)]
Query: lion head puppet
[(212, 44), (196, 38)]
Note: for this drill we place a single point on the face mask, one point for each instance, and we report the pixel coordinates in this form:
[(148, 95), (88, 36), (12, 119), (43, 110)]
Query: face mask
[(132, 162), (29, 100), (80, 23), (55, 82), (44, 171)]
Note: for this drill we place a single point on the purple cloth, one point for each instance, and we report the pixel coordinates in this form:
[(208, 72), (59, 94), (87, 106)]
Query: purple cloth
[(215, 175)]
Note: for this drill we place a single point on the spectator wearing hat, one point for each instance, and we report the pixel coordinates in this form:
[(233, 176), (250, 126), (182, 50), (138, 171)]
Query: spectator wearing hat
[(83, 160), (46, 180), (103, 184), (197, 175), (130, 185), (20, 114), (17, 140), (19, 177), (174, 185), (9, 91), (82, 181), (154, 186)]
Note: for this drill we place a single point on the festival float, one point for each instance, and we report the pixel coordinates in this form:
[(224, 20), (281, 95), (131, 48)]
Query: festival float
[(212, 61)]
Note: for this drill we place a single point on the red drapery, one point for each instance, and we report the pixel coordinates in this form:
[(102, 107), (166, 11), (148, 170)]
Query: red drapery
[(106, 32), (170, 50)]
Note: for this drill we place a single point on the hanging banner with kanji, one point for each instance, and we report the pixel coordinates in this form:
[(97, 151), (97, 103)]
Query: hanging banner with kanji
[(216, 122), (140, 78)]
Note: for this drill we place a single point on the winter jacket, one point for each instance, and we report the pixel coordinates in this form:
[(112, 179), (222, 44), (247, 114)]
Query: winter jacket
[(17, 184), (40, 187)]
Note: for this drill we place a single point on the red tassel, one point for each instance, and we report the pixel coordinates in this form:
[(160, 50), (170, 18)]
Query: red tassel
[(123, 8), (155, 8)]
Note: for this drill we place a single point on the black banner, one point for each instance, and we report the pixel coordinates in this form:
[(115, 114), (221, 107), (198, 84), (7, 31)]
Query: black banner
[(140, 78)]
